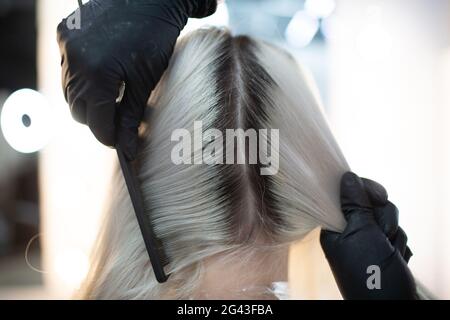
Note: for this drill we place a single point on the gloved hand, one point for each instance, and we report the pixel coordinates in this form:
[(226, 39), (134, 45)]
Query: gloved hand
[(372, 237), (120, 41)]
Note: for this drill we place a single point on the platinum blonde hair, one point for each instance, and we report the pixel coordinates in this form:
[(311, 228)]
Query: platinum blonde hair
[(199, 211)]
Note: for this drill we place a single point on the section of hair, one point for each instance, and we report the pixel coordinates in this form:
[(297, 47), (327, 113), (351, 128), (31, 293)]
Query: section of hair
[(306, 188), (242, 90), (199, 211)]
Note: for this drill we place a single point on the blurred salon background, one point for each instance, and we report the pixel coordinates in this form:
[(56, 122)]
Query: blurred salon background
[(383, 71)]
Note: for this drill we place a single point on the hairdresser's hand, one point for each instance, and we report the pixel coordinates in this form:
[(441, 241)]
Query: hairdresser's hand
[(114, 42), (372, 237)]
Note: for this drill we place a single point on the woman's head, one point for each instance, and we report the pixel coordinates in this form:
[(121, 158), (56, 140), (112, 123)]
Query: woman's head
[(205, 214)]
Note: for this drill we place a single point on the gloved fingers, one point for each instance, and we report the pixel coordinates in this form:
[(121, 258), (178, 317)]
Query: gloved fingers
[(77, 105), (328, 239), (93, 103), (97, 99), (399, 241), (385, 212), (130, 113), (387, 219), (91, 84), (377, 193), (353, 194), (408, 254), (100, 119), (201, 8)]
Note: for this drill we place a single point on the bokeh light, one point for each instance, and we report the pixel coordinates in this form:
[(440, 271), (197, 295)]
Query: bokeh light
[(26, 121), (301, 30)]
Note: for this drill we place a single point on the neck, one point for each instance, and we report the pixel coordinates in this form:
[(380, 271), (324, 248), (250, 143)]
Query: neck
[(243, 275)]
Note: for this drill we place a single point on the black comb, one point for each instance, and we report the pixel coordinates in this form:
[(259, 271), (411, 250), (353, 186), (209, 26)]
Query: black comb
[(154, 247)]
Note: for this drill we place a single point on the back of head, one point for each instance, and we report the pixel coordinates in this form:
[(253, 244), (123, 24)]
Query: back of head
[(203, 210)]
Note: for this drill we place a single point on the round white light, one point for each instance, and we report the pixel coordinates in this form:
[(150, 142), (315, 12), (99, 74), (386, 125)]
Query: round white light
[(301, 29), (320, 8), (25, 121)]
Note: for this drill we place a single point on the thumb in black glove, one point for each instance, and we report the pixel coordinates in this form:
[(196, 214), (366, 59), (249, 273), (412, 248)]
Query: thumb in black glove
[(372, 237), (120, 41)]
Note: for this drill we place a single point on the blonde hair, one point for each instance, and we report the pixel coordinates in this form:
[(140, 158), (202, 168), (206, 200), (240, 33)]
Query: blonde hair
[(198, 211)]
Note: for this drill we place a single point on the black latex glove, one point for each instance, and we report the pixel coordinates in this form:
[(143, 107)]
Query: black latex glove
[(372, 237), (128, 41)]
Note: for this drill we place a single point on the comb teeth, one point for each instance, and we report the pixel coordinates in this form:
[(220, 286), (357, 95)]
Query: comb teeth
[(154, 247)]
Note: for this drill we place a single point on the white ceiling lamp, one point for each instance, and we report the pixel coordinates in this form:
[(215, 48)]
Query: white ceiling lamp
[(26, 121), (301, 29)]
